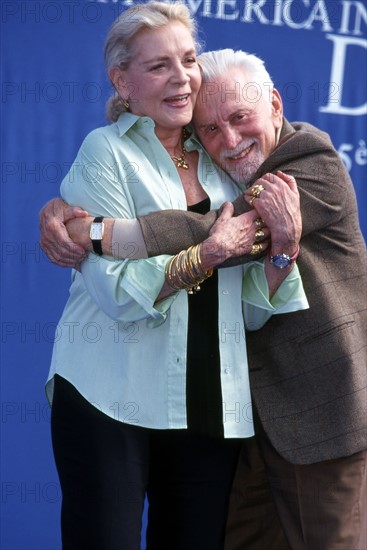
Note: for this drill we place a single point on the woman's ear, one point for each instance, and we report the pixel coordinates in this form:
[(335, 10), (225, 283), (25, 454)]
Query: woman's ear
[(117, 78)]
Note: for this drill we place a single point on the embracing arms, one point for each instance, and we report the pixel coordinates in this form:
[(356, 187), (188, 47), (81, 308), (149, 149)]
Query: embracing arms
[(225, 239)]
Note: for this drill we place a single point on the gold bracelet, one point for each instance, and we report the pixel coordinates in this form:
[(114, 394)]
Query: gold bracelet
[(185, 270)]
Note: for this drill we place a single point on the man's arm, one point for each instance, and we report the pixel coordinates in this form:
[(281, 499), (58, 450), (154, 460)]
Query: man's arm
[(175, 230), (170, 230), (278, 205)]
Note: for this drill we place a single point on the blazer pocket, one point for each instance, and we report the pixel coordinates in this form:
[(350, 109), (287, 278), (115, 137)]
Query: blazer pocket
[(329, 332), (329, 344)]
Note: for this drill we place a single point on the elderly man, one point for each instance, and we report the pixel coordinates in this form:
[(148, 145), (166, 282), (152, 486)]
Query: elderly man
[(308, 370)]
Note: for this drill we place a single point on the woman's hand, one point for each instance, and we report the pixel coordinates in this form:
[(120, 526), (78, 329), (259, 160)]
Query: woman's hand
[(234, 236), (54, 239)]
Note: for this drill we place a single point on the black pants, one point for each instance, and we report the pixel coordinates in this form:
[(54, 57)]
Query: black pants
[(106, 468)]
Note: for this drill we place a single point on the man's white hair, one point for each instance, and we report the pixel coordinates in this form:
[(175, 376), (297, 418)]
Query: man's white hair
[(216, 64)]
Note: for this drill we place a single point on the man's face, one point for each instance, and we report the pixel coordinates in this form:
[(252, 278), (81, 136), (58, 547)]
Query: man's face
[(237, 122)]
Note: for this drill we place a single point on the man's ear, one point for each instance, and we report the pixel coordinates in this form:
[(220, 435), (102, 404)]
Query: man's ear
[(277, 106), (118, 80)]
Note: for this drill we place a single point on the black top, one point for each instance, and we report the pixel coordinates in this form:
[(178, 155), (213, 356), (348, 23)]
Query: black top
[(203, 392)]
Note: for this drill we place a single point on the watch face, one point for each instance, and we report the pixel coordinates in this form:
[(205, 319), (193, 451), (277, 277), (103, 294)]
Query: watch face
[(281, 260), (96, 231)]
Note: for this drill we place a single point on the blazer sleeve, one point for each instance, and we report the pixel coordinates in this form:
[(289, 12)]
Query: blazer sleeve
[(175, 230), (170, 231)]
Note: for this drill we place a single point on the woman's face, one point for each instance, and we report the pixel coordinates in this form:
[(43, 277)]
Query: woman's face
[(163, 77)]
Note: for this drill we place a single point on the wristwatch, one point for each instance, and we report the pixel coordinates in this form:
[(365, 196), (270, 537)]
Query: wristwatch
[(283, 260), (96, 234)]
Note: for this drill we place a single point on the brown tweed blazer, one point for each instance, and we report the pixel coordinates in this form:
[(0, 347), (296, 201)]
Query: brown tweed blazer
[(307, 369)]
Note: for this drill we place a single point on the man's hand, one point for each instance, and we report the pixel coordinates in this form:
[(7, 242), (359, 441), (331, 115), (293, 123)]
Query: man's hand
[(54, 239), (78, 230), (278, 204)]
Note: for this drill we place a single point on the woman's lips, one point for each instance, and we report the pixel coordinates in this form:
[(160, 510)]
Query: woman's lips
[(178, 100)]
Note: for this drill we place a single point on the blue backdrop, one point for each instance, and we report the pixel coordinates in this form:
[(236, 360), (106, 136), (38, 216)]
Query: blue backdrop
[(53, 93)]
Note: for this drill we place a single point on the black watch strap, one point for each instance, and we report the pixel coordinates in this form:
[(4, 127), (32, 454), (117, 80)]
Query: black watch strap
[(97, 243)]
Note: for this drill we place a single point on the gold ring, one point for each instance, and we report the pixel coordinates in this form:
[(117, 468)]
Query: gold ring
[(256, 190), (251, 200), (259, 234), (256, 248), (259, 222)]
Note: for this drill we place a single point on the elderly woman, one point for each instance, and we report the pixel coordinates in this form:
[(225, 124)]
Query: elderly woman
[(148, 382)]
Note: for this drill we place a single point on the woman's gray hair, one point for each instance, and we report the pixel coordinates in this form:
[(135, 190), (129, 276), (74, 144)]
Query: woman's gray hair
[(215, 64), (118, 50)]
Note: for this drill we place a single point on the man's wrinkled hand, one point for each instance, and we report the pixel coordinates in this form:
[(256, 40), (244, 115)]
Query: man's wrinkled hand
[(276, 200), (54, 238)]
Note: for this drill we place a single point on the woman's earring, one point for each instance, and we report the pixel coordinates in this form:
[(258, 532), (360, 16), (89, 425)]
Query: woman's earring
[(126, 104)]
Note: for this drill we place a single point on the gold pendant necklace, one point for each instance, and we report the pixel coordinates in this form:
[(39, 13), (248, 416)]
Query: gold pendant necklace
[(180, 161)]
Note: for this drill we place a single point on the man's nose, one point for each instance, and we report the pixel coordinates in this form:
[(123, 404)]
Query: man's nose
[(231, 138)]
